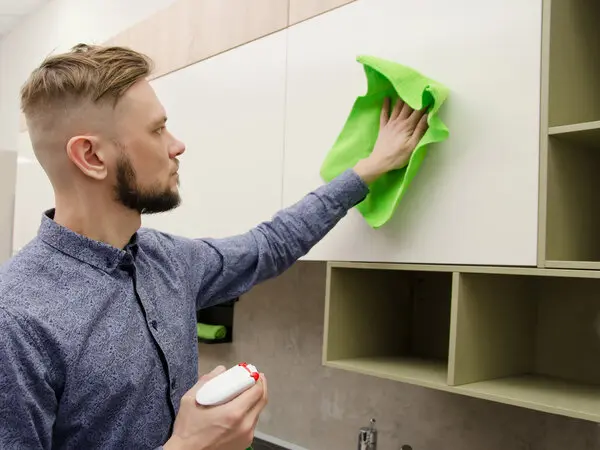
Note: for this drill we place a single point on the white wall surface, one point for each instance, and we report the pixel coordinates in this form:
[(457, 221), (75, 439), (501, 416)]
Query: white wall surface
[(7, 195), (54, 28)]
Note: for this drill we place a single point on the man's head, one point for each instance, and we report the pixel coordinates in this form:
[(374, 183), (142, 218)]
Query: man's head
[(98, 129)]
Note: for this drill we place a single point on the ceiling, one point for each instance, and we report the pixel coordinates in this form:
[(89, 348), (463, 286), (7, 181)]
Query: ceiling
[(13, 11)]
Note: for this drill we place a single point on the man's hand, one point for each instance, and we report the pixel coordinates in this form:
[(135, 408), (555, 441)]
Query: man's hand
[(225, 427), (399, 134)]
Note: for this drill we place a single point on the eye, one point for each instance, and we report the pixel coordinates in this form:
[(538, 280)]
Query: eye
[(159, 130)]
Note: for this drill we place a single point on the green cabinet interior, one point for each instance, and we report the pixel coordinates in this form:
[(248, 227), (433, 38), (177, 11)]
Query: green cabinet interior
[(569, 213), (528, 337)]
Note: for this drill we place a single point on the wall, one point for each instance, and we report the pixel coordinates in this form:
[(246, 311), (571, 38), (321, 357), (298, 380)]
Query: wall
[(54, 28), (279, 326), (8, 163)]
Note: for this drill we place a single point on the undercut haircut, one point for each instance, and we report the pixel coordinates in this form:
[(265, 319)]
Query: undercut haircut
[(85, 74)]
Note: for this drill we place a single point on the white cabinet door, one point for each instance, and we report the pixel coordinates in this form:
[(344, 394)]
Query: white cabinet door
[(229, 111), (475, 198)]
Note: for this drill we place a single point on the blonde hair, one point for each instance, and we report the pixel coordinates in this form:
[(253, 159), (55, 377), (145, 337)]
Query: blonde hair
[(86, 73)]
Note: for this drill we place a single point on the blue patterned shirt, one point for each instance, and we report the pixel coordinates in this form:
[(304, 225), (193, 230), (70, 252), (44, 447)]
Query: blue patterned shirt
[(98, 344)]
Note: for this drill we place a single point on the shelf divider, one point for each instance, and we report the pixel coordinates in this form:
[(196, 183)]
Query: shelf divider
[(582, 134)]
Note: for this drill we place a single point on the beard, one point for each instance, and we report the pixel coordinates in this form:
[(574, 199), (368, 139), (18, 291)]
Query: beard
[(151, 200)]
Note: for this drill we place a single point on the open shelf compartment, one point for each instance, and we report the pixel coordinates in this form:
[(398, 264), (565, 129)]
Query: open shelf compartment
[(572, 212), (220, 315), (391, 324), (573, 64), (578, 135), (570, 136), (531, 341)]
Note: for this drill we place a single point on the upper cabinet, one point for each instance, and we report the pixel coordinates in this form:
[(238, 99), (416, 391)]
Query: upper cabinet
[(229, 111), (475, 198), (260, 111)]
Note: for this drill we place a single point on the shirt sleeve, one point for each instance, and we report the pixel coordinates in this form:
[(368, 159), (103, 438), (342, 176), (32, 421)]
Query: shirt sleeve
[(27, 400), (223, 269)]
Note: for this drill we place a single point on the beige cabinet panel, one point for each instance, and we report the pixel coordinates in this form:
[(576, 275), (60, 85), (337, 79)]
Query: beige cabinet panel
[(305, 9), (189, 31)]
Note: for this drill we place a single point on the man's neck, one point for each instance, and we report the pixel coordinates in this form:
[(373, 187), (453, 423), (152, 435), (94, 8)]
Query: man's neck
[(106, 222)]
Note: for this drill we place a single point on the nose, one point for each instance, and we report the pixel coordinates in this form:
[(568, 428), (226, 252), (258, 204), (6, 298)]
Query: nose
[(176, 148)]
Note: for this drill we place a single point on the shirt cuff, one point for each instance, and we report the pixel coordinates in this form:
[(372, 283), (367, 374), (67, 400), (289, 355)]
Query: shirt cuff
[(348, 188)]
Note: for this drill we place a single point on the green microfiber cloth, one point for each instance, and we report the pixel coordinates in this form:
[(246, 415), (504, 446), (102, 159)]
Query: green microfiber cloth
[(359, 134), (210, 332)]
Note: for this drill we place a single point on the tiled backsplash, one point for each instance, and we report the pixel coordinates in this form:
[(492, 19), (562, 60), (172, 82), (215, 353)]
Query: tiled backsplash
[(279, 327)]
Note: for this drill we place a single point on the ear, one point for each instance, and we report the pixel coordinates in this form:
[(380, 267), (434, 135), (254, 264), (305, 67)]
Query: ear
[(85, 153)]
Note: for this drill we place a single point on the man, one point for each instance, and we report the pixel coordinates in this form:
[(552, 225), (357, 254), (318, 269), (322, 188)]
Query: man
[(98, 341)]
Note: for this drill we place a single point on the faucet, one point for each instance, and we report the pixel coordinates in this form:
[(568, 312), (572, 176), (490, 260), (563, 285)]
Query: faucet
[(367, 437)]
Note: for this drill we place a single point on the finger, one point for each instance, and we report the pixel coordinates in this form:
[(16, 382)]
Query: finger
[(253, 415), (397, 108), (249, 426), (262, 402), (251, 420), (265, 390), (420, 130), (405, 112), (416, 116), (213, 373), (203, 379), (248, 399), (260, 406), (385, 112)]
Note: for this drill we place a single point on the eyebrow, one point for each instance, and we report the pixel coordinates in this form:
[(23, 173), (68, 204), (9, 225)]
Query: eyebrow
[(159, 122)]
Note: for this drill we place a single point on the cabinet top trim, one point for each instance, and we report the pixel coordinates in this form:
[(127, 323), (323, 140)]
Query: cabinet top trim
[(493, 270)]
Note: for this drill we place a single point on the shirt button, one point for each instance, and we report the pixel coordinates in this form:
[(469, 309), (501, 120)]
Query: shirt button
[(154, 324), (173, 384)]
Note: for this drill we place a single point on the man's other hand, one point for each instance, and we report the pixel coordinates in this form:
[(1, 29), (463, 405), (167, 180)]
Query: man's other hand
[(225, 427)]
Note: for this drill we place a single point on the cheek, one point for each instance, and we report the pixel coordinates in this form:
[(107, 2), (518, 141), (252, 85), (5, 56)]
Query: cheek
[(150, 160), (157, 168), (155, 152)]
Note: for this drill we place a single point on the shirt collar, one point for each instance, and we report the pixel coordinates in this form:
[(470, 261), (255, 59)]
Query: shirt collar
[(95, 253)]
